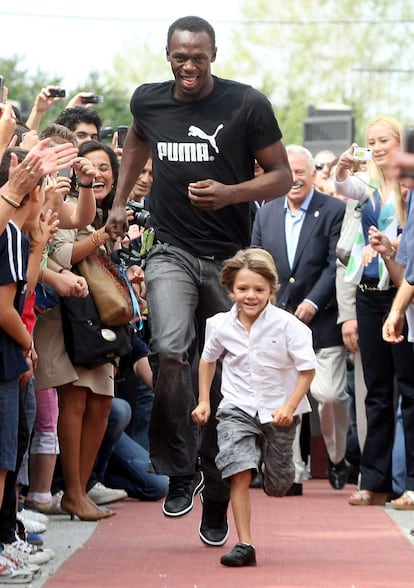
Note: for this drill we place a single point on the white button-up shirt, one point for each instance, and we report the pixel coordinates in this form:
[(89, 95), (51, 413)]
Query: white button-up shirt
[(260, 367)]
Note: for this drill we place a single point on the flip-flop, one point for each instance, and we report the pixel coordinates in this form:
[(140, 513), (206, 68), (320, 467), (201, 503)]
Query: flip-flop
[(368, 498), (404, 502)]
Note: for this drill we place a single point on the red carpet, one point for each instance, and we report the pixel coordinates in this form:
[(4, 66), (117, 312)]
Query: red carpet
[(317, 541)]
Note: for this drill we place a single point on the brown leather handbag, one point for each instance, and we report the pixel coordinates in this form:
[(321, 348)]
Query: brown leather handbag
[(109, 289)]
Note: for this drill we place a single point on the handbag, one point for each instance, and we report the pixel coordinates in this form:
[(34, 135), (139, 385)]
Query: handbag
[(349, 234), (89, 342), (109, 288)]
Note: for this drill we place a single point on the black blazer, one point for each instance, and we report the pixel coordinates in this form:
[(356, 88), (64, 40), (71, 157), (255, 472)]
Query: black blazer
[(313, 273)]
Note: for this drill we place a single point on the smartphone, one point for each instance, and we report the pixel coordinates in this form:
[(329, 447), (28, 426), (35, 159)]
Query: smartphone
[(1, 89), (57, 92), (92, 99), (362, 153), (122, 132), (65, 172)]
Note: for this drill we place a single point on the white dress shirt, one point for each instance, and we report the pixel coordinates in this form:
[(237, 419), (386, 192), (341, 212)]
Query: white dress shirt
[(260, 367), (293, 226)]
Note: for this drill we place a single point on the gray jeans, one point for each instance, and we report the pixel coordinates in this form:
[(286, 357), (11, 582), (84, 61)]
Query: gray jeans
[(182, 291)]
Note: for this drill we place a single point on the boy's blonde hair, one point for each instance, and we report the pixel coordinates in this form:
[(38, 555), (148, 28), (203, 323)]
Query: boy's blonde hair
[(254, 259)]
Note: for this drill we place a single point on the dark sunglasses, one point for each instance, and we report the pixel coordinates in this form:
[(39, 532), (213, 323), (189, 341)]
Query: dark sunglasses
[(320, 166)]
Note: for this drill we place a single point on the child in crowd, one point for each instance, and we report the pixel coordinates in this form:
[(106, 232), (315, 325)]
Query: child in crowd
[(268, 365), (15, 339)]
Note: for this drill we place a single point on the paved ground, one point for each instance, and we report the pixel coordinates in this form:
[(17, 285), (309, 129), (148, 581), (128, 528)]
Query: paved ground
[(66, 537)]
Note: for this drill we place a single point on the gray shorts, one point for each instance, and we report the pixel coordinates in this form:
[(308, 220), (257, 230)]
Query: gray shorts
[(244, 442)]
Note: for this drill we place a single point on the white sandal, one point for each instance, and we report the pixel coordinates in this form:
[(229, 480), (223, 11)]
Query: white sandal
[(404, 502)]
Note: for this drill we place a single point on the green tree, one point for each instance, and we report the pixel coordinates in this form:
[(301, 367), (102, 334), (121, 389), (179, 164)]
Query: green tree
[(23, 86), (350, 52)]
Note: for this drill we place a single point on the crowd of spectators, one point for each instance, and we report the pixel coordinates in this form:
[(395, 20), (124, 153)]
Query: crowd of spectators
[(81, 436)]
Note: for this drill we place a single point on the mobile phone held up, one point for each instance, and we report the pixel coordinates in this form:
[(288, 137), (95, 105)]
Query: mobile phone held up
[(92, 99), (362, 153), (122, 133), (57, 93)]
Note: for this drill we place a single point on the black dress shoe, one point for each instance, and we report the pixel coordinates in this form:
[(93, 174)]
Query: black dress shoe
[(295, 490), (181, 491), (338, 474), (241, 555), (214, 527)]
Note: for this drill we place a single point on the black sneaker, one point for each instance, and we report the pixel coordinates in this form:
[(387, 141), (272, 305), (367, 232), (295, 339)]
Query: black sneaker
[(197, 484), (241, 555), (181, 491), (214, 527)]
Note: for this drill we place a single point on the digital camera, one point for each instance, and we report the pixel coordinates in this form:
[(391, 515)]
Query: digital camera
[(126, 256), (57, 92), (106, 133), (122, 133), (141, 216), (363, 153), (92, 99)]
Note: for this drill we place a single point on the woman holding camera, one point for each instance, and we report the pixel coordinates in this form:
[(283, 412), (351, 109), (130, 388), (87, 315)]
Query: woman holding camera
[(384, 365), (85, 395)]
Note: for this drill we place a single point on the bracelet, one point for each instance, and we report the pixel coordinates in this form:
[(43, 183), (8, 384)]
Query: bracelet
[(62, 269), (85, 185), (391, 255), (97, 238), (10, 201)]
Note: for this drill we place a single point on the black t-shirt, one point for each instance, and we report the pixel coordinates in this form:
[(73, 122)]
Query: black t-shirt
[(213, 138)]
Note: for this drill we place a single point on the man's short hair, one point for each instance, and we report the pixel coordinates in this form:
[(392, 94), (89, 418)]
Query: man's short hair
[(71, 117), (194, 24)]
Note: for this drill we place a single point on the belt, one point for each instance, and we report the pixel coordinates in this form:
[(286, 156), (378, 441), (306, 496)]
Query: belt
[(208, 257), (372, 286)]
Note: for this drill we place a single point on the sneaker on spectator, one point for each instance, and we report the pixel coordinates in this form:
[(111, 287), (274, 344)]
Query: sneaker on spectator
[(25, 513), (31, 525), (17, 562), (34, 539), (49, 507), (15, 572), (100, 494), (27, 553), (22, 533)]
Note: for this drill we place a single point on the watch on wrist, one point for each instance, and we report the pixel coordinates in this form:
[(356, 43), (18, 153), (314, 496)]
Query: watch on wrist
[(90, 185)]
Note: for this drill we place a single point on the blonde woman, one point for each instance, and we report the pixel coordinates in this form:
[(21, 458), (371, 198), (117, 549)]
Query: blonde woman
[(383, 364)]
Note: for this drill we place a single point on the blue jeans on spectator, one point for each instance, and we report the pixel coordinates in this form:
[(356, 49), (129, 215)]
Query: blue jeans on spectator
[(141, 414), (183, 290), (128, 469), (123, 463), (399, 471), (118, 421)]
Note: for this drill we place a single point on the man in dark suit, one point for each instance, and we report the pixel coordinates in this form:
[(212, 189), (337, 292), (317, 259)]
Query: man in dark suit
[(301, 232)]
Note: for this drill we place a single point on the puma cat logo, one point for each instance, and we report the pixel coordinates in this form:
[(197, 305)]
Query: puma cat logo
[(194, 131)]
